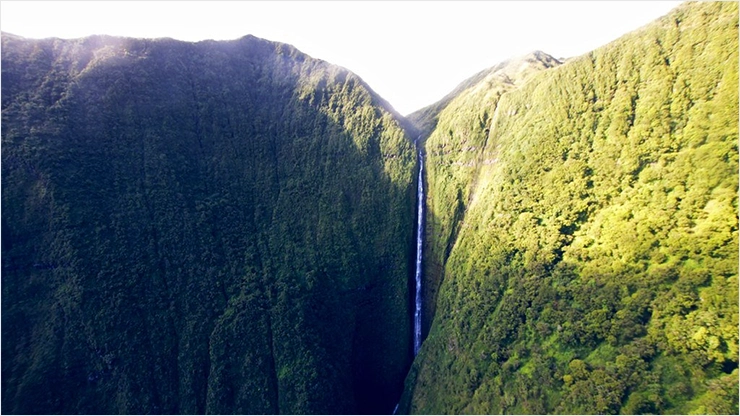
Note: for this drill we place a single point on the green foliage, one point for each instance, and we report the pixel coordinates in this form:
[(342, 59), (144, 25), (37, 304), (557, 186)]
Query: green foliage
[(220, 227), (453, 153), (586, 230)]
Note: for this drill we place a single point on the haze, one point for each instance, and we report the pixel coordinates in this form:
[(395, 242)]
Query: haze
[(411, 53)]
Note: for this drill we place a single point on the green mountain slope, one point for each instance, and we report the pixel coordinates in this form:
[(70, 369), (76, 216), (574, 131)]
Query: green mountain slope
[(589, 241), (453, 152), (221, 227), (504, 76)]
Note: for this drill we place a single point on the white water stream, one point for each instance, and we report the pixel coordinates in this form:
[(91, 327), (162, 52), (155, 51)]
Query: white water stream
[(419, 244)]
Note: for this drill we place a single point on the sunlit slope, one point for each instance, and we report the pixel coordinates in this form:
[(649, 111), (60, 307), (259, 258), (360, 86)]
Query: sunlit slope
[(221, 227), (595, 267), (453, 154), (505, 75)]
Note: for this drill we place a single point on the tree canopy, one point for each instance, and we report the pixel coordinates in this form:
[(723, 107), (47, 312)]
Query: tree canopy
[(212, 227), (585, 231)]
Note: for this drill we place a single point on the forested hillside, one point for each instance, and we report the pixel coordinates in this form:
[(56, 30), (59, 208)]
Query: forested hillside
[(221, 227), (584, 225), (453, 155)]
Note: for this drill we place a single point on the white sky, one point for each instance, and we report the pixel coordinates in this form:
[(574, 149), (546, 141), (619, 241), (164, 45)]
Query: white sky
[(412, 53)]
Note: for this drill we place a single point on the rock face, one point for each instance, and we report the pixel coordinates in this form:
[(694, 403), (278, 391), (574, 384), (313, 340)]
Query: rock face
[(582, 226), (221, 227)]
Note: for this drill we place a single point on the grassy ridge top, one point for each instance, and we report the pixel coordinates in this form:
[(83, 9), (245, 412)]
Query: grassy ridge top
[(511, 72)]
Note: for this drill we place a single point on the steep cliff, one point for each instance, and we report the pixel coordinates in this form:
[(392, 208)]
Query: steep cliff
[(585, 229), (457, 130), (221, 227)]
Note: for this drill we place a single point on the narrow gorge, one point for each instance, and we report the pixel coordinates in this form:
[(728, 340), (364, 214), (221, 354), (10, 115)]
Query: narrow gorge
[(235, 227)]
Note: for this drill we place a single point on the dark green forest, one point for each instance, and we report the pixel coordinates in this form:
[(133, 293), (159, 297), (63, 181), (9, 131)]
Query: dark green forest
[(584, 223), (212, 227)]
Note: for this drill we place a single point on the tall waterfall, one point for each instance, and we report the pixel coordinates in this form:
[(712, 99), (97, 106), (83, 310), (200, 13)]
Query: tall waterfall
[(419, 244)]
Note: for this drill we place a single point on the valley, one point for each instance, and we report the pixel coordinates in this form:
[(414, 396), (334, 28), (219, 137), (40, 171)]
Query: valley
[(237, 227)]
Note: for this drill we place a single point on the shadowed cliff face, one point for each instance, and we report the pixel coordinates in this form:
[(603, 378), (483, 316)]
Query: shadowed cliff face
[(221, 227), (583, 225)]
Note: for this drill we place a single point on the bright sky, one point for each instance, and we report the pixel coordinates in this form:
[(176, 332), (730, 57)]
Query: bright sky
[(412, 53)]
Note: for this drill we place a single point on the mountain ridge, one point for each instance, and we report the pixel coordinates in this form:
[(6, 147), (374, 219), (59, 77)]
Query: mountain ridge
[(424, 118)]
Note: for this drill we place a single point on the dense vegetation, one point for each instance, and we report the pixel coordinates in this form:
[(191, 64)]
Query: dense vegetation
[(453, 155), (221, 227), (226, 227), (585, 224)]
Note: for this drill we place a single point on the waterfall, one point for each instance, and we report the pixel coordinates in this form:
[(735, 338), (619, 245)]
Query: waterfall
[(419, 244)]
